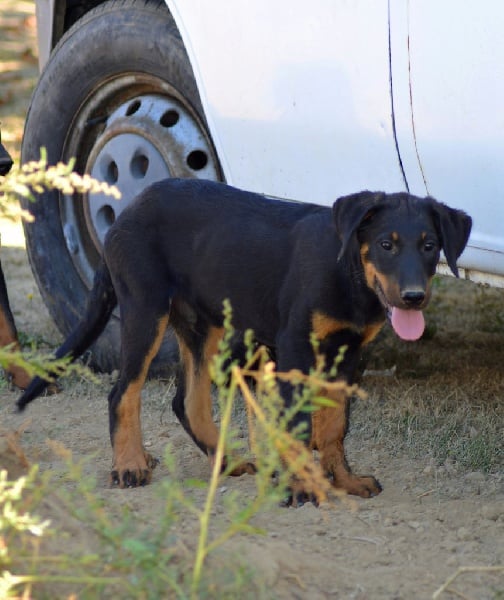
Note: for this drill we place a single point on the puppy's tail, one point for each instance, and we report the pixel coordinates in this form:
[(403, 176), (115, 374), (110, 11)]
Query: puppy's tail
[(101, 302)]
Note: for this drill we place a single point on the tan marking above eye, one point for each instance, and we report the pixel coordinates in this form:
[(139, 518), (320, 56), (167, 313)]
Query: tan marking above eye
[(395, 236)]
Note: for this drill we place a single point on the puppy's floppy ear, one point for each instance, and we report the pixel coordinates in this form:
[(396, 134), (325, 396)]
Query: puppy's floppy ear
[(454, 227), (350, 211)]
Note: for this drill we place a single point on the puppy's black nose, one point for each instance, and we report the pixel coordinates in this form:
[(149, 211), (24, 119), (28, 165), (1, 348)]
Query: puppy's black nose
[(413, 297)]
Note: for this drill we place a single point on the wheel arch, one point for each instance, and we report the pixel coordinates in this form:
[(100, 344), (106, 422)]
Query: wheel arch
[(56, 17), (106, 101)]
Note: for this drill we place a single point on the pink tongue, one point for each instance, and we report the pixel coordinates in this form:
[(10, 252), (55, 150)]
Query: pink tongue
[(408, 324)]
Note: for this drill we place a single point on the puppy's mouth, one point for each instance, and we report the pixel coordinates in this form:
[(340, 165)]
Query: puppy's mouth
[(408, 323)]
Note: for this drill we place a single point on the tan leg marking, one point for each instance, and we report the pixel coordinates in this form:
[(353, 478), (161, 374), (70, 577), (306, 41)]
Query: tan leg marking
[(328, 432), (198, 400), (329, 423), (19, 376), (130, 459)]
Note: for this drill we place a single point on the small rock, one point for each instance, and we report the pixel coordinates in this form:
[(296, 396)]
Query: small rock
[(463, 534), (492, 513)]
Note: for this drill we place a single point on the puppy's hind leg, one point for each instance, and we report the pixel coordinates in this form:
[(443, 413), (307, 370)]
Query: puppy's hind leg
[(142, 333), (8, 335), (193, 402)]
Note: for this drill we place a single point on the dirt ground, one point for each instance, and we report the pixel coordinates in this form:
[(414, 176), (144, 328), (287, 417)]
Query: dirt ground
[(431, 518), (440, 510)]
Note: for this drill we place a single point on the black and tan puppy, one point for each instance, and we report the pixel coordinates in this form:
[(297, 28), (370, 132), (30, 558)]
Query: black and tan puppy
[(288, 269), (8, 332)]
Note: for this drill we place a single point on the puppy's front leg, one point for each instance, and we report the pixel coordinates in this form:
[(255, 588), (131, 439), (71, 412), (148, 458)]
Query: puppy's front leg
[(329, 426)]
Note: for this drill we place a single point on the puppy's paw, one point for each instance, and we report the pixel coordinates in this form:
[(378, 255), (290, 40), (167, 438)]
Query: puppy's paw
[(133, 472)]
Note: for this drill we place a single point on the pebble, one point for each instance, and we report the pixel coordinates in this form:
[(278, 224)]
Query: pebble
[(463, 534), (491, 512)]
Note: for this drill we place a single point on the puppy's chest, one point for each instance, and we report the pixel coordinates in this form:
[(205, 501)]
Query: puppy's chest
[(347, 305)]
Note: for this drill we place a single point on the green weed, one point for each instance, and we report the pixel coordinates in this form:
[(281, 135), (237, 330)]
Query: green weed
[(132, 559)]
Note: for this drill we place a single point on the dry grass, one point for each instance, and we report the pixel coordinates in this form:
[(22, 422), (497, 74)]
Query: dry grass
[(442, 396)]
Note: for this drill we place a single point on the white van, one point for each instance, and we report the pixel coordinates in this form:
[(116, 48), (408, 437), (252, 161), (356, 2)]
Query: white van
[(302, 101)]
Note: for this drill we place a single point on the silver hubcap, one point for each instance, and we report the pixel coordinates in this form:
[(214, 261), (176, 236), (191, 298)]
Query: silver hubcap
[(147, 138)]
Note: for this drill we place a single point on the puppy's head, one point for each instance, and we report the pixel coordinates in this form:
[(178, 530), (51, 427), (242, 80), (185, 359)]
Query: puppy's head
[(399, 239)]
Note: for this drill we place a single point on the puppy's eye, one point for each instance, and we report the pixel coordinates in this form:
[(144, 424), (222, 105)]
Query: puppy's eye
[(386, 245), (429, 246)]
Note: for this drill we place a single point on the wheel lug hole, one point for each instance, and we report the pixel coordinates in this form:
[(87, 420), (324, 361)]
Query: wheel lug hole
[(197, 160), (169, 118), (139, 166), (111, 173), (133, 108), (105, 217)]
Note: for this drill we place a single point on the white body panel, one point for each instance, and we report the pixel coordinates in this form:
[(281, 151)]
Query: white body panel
[(298, 101), (302, 98), (455, 74)]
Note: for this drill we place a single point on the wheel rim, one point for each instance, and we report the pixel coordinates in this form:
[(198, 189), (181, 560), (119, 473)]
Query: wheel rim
[(129, 140)]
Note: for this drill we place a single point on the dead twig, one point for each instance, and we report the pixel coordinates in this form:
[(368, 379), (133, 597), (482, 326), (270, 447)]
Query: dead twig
[(445, 587)]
